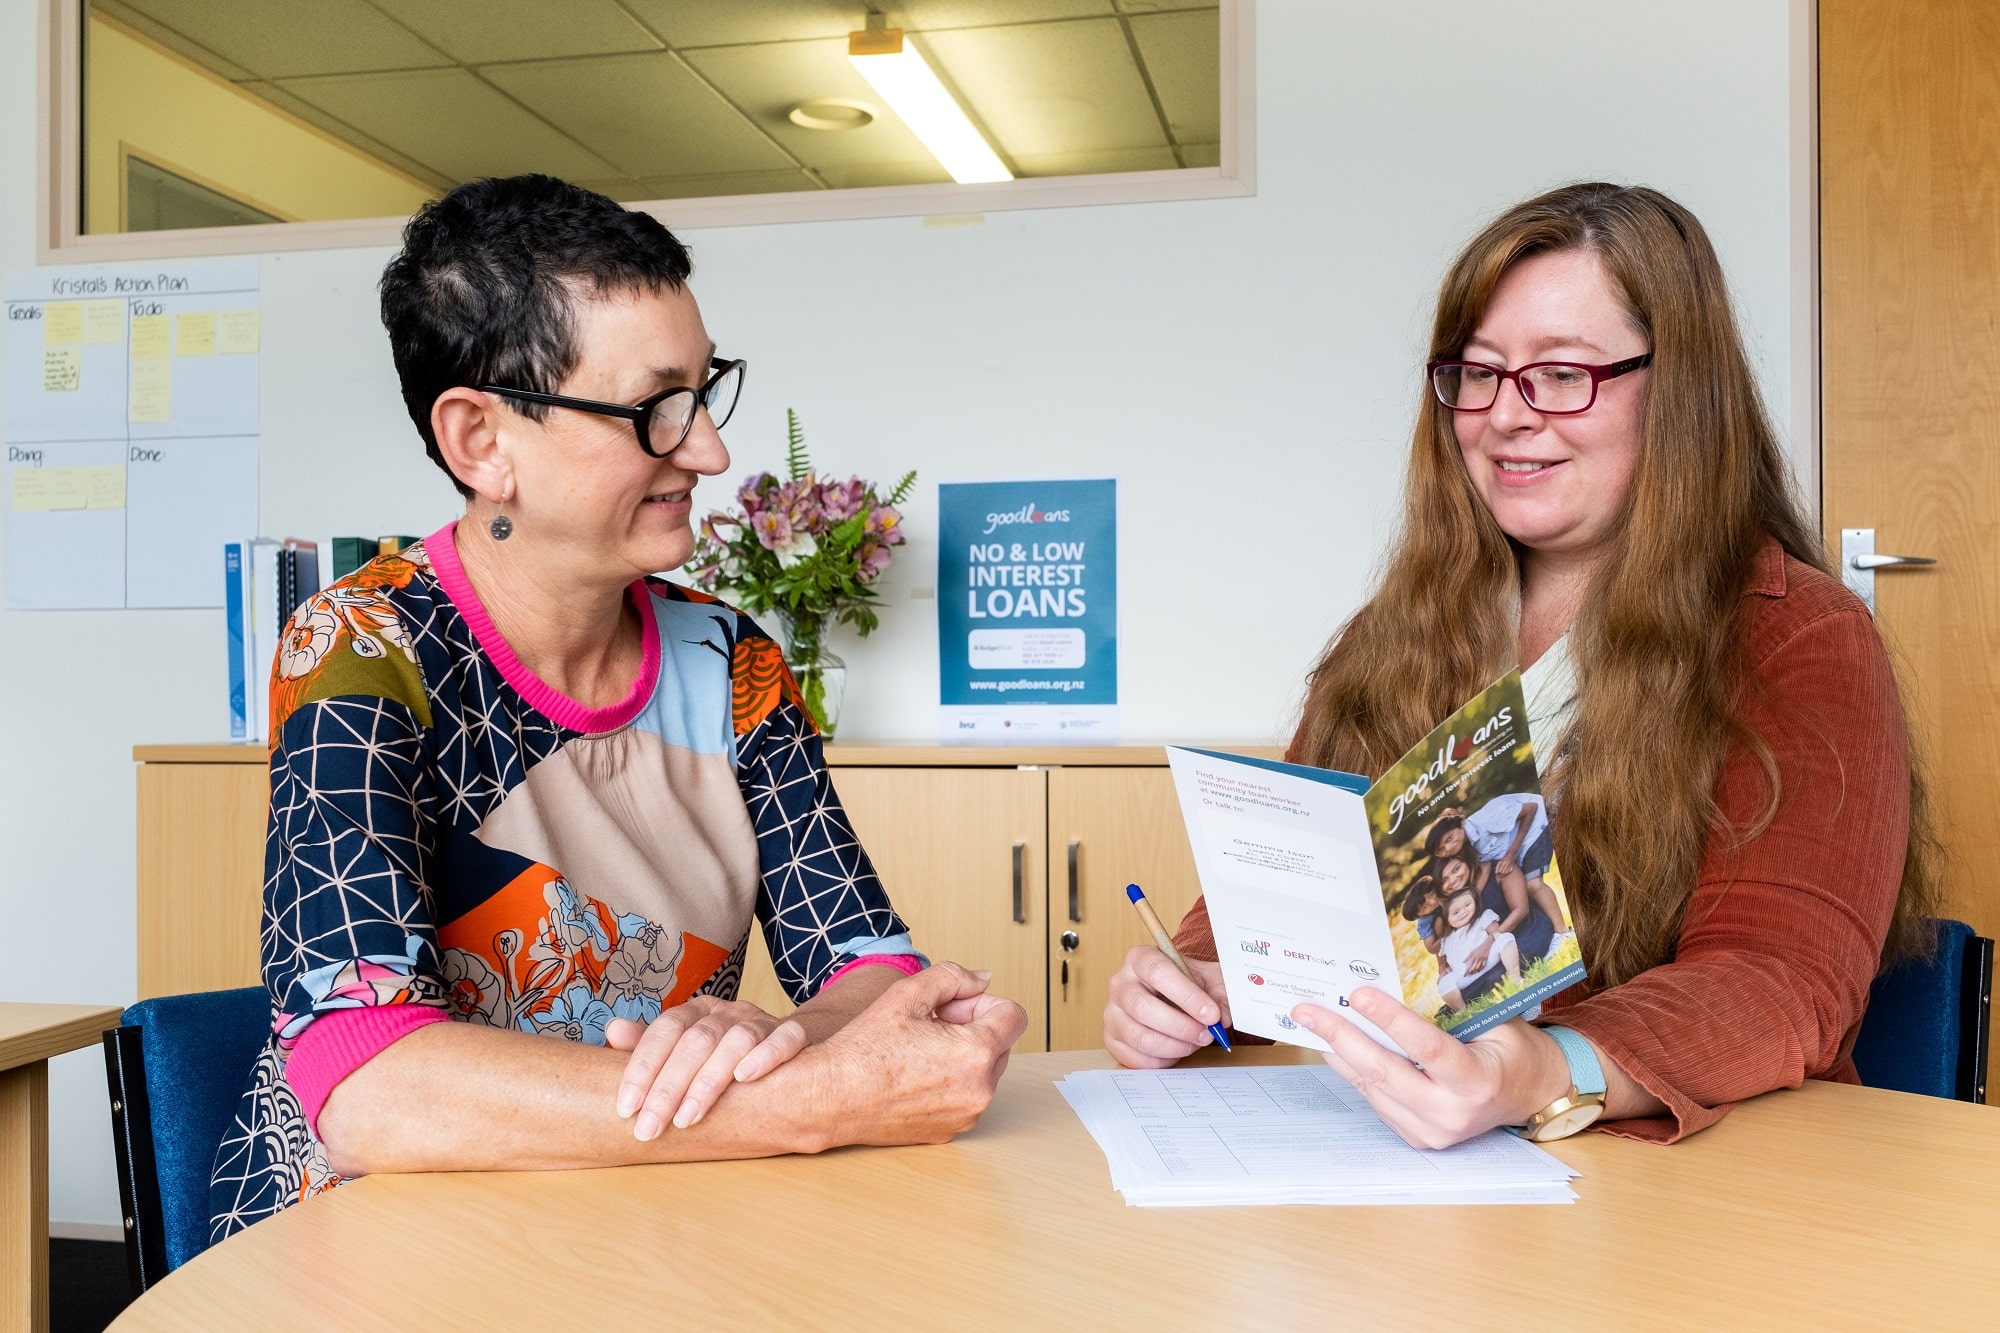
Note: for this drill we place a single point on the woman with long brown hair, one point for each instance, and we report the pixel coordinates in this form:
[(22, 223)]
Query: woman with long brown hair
[(1596, 494)]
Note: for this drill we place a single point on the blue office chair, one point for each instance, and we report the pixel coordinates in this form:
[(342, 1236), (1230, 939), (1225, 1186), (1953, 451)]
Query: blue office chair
[(1926, 1026), (176, 1070)]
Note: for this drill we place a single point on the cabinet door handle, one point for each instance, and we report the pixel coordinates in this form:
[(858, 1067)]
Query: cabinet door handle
[(1074, 913), (1020, 905)]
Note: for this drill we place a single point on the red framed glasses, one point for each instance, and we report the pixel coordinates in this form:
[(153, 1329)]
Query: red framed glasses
[(1553, 388)]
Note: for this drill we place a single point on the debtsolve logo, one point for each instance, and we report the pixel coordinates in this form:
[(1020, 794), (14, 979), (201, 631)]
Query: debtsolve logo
[(1025, 514)]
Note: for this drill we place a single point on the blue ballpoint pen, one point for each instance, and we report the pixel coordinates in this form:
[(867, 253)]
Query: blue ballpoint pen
[(1166, 943)]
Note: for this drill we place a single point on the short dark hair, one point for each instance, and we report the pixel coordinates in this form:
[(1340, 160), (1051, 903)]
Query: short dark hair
[(1434, 837), (484, 290)]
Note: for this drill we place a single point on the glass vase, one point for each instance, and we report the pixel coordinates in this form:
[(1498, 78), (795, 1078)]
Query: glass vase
[(820, 675)]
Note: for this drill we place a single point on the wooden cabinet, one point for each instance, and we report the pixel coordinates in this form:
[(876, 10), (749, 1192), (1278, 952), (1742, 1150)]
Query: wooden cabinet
[(1108, 827), (202, 811), (992, 856), (964, 856)]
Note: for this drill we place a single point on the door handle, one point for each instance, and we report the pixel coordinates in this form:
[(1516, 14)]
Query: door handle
[(1074, 913), (1020, 903), (1859, 560)]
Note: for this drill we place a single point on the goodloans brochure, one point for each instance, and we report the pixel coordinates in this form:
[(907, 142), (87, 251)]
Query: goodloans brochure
[(1436, 881)]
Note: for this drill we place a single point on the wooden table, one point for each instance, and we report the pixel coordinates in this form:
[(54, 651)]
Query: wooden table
[(1831, 1206), (29, 1035)]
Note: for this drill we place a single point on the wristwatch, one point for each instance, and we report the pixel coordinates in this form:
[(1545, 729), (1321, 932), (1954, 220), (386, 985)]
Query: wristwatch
[(1576, 1109)]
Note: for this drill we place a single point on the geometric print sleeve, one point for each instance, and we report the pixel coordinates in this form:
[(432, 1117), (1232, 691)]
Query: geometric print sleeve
[(820, 902), (347, 909)]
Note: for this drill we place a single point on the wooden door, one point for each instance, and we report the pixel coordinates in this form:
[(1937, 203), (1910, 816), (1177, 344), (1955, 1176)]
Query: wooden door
[(946, 842), (1125, 827), (201, 876), (1909, 102)]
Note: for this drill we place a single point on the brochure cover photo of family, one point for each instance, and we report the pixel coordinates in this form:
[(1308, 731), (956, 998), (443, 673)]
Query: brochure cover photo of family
[(1464, 850)]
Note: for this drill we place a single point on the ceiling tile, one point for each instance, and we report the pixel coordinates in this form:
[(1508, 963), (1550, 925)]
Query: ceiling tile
[(478, 31), (1183, 55), (628, 190), (926, 15), (176, 42), (768, 81), (1051, 87), (333, 125), (736, 22), (645, 114), (278, 39), (1097, 160), (451, 122)]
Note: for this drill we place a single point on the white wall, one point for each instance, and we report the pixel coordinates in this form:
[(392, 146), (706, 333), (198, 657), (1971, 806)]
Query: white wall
[(1246, 367)]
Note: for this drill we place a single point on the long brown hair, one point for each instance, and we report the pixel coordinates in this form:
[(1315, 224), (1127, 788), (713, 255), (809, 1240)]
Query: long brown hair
[(1656, 663)]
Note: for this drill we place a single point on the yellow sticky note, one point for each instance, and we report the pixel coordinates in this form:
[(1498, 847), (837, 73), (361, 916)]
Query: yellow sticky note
[(62, 322), (30, 488), (62, 369), (194, 333), (236, 332), (152, 390), (69, 487), (149, 337), (104, 487), (104, 321)]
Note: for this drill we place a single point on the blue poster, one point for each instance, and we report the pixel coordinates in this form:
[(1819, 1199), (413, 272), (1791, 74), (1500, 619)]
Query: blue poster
[(1027, 597)]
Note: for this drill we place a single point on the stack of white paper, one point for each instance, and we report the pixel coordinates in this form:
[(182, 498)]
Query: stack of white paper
[(1286, 1134)]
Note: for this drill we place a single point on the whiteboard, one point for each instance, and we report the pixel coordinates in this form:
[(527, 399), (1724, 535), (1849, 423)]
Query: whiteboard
[(131, 431)]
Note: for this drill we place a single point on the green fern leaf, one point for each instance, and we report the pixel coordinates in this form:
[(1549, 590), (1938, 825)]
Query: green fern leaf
[(796, 461), (902, 491)]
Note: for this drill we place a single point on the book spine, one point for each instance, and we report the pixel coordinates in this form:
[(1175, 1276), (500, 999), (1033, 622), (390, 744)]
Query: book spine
[(232, 602)]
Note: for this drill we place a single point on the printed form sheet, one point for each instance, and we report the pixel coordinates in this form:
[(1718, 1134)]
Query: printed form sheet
[(1286, 1134)]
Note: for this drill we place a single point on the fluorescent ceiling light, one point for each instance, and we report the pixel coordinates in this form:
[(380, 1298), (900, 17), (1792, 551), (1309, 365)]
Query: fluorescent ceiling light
[(897, 71)]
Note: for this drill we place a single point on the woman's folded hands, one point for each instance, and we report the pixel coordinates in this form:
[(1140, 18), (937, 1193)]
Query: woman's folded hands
[(912, 1061)]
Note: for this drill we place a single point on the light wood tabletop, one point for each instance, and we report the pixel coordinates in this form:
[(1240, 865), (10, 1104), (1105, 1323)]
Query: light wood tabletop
[(29, 1035), (1830, 1206)]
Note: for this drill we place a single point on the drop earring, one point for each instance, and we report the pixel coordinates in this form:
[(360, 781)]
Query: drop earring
[(501, 527)]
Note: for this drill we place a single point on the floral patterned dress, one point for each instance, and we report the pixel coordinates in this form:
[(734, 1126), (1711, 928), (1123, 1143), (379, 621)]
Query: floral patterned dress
[(447, 830)]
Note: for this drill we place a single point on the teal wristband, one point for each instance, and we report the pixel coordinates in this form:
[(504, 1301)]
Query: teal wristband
[(1585, 1073)]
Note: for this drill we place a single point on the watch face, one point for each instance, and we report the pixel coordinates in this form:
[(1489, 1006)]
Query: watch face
[(1568, 1121)]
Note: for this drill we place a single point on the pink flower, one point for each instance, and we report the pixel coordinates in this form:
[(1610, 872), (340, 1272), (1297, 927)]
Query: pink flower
[(773, 529), (842, 500), (706, 576), (751, 493), (886, 523), (871, 558)]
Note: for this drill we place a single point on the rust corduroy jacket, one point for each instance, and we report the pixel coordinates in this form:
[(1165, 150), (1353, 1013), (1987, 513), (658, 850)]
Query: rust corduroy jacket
[(1781, 936)]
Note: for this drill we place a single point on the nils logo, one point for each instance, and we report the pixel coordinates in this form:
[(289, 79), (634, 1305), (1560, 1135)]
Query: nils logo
[(1363, 969)]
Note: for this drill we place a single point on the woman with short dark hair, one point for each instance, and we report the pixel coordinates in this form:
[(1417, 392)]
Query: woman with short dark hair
[(1596, 495), (520, 783)]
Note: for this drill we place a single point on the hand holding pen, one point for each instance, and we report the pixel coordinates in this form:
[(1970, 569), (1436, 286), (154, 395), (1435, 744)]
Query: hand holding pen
[(1159, 1008)]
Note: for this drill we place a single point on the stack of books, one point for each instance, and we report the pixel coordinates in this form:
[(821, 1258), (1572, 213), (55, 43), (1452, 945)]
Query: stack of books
[(264, 581)]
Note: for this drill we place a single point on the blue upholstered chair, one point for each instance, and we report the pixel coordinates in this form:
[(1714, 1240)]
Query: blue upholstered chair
[(176, 1069), (1925, 1030)]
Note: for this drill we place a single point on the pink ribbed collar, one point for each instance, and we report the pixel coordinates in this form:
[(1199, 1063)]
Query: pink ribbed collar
[(544, 698)]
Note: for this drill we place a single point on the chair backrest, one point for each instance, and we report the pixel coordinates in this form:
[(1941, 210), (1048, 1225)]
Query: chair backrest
[(1925, 1030), (177, 1070)]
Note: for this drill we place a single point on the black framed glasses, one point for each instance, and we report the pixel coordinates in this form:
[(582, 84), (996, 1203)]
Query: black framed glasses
[(663, 421), (1552, 388)]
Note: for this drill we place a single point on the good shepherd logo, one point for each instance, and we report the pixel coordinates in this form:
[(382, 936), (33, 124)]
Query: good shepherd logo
[(1025, 514)]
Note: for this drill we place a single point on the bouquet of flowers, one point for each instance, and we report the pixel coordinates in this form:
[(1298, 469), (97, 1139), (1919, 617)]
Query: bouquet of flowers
[(809, 550)]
